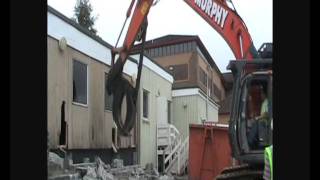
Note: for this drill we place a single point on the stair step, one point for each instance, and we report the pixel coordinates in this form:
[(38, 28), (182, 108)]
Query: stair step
[(171, 144)]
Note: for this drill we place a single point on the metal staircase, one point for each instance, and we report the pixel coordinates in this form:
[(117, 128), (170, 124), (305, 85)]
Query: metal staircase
[(172, 150)]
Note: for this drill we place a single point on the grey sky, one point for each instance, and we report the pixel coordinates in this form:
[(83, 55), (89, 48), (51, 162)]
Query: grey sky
[(176, 17)]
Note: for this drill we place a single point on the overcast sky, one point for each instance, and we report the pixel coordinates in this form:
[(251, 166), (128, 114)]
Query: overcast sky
[(176, 17)]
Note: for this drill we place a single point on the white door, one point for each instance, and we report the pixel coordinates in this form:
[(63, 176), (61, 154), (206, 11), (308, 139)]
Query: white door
[(162, 120), (162, 110)]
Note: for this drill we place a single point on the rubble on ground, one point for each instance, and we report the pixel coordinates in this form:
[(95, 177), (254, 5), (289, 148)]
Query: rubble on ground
[(98, 170), (55, 164), (166, 177), (57, 170), (117, 163)]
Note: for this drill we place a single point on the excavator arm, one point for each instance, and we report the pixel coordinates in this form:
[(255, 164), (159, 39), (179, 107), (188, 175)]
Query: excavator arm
[(228, 24), (116, 84), (217, 13), (138, 18)]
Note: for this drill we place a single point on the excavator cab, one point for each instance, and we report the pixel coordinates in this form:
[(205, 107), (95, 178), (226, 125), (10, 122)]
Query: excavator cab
[(249, 131), (256, 98)]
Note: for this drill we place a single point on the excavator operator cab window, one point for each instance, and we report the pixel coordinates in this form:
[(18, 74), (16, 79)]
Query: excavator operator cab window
[(256, 112)]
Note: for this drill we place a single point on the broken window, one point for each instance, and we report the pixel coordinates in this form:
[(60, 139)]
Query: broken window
[(62, 137), (79, 82), (114, 136)]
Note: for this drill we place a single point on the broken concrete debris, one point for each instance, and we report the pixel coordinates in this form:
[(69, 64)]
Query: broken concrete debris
[(98, 170), (117, 163), (55, 164), (54, 159), (165, 177), (151, 170)]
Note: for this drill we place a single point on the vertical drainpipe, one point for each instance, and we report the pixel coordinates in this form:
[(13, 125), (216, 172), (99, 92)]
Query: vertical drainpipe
[(207, 116), (156, 144), (138, 123), (208, 91)]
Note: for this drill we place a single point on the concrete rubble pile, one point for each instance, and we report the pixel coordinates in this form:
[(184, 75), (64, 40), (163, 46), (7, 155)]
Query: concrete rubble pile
[(98, 170), (57, 169)]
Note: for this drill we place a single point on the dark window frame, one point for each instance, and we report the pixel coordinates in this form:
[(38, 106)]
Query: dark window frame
[(156, 52), (181, 48), (108, 99), (168, 51), (160, 51), (203, 77), (169, 104), (164, 51), (176, 49), (184, 72), (145, 104), (75, 99), (189, 46), (216, 91), (172, 50), (185, 47)]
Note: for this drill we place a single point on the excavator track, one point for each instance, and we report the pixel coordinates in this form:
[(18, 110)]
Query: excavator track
[(242, 172), (234, 168)]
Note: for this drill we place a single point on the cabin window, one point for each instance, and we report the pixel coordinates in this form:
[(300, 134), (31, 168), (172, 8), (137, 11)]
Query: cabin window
[(145, 104), (108, 99), (79, 82)]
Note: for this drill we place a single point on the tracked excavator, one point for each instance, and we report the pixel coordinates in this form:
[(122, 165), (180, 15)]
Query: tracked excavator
[(252, 74)]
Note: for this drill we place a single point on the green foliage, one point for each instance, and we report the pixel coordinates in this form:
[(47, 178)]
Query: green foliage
[(82, 13)]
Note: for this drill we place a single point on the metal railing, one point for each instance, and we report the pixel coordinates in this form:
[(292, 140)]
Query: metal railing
[(168, 136), (177, 160), (183, 156), (174, 152)]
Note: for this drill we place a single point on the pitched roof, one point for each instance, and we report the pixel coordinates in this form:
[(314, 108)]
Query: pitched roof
[(95, 37), (168, 40)]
